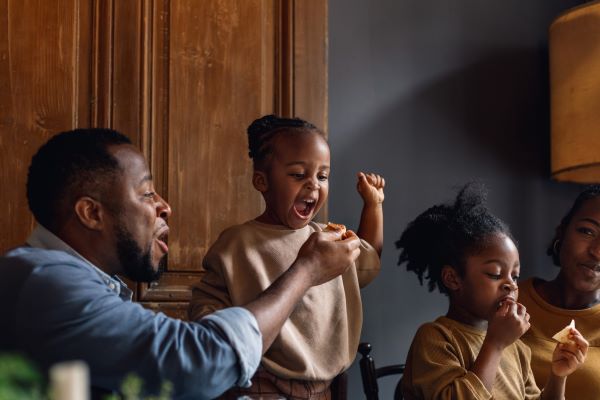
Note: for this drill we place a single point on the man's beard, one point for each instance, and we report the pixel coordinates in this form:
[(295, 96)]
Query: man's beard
[(136, 263)]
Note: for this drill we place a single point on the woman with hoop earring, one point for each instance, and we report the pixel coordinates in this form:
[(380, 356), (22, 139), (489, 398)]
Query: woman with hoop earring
[(574, 294)]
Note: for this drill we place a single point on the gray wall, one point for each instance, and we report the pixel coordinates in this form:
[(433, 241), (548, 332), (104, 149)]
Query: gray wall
[(432, 94)]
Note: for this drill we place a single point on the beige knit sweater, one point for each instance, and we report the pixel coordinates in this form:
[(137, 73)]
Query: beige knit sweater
[(320, 338)]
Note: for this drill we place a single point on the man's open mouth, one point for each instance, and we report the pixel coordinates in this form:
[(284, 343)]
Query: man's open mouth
[(162, 239)]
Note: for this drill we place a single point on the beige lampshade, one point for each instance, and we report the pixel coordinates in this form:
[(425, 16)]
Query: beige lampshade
[(575, 94)]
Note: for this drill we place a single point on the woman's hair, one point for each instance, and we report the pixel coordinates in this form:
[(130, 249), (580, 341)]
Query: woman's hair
[(262, 131), (447, 234), (553, 250)]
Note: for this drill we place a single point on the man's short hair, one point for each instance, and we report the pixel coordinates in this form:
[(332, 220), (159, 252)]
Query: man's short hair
[(71, 164)]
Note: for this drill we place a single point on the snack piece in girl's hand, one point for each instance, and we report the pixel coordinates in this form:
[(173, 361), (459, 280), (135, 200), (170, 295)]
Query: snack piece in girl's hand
[(336, 227), (562, 336)]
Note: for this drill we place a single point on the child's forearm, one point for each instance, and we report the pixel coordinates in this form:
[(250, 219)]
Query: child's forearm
[(555, 388), (486, 364), (371, 226)]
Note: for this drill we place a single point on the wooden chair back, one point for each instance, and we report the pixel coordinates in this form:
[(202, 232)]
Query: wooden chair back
[(370, 373)]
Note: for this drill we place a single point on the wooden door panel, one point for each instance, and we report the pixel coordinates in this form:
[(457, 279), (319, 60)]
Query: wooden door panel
[(173, 286), (119, 71), (310, 61), (44, 89), (221, 74), (128, 69)]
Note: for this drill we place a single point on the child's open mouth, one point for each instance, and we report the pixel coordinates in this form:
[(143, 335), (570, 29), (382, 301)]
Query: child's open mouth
[(304, 208)]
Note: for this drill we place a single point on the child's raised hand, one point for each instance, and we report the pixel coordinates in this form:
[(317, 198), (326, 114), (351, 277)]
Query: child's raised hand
[(370, 187), (567, 357), (508, 324)]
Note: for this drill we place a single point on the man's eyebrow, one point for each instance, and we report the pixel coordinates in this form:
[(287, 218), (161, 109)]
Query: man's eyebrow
[(591, 221), (146, 178)]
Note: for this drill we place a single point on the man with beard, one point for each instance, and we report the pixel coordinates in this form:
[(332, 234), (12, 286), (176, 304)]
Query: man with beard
[(98, 215)]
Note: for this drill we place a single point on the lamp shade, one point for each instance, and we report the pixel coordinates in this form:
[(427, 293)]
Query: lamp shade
[(575, 94)]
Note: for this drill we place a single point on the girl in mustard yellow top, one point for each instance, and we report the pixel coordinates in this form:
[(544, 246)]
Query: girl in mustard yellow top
[(474, 352), (573, 294)]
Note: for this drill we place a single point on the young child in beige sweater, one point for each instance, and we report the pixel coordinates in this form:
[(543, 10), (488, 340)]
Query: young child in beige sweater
[(291, 169)]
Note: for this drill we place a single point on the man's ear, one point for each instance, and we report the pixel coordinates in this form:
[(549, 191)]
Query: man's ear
[(90, 213), (260, 181), (450, 278)]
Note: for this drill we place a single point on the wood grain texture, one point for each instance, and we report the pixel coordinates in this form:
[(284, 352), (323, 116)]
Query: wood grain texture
[(172, 286), (310, 61), (221, 78), (310, 50), (44, 89)]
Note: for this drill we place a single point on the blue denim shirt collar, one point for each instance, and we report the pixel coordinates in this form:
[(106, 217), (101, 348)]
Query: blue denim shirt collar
[(44, 239)]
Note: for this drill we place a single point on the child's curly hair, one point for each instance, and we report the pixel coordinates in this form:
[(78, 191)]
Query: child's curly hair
[(262, 131), (447, 234)]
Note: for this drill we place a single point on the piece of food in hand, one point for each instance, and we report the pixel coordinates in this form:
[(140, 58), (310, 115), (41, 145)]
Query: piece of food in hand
[(562, 336), (336, 227)]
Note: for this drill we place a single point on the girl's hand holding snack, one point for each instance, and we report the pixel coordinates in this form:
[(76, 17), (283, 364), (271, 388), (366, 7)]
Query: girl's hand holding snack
[(569, 354), (508, 324)]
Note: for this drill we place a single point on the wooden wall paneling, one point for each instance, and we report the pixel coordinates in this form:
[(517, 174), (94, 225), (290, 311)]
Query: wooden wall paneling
[(221, 75), (309, 49), (221, 72), (284, 57), (128, 69), (156, 89), (44, 89), (82, 65), (229, 63), (172, 286), (118, 68), (102, 63), (302, 60), (310, 61)]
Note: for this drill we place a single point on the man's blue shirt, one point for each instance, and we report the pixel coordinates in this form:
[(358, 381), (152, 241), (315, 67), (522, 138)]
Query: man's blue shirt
[(58, 306)]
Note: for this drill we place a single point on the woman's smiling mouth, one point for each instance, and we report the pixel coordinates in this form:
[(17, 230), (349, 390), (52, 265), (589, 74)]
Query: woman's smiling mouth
[(592, 267)]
